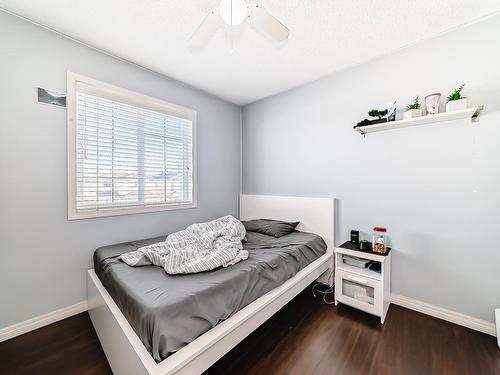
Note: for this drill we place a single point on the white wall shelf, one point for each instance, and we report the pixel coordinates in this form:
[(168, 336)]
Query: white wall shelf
[(472, 113)]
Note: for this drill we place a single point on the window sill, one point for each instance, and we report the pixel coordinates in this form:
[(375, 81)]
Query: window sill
[(106, 212)]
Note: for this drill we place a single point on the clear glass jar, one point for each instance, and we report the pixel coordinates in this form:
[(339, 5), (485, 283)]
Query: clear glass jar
[(379, 240)]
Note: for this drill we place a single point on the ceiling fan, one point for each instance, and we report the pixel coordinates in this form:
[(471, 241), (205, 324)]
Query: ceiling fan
[(232, 13)]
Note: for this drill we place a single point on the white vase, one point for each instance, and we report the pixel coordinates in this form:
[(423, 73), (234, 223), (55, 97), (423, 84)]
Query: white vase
[(432, 103), (412, 113), (456, 105)]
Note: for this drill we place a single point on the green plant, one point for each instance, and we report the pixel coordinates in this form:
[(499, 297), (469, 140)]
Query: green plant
[(457, 93), (414, 105), (377, 113)]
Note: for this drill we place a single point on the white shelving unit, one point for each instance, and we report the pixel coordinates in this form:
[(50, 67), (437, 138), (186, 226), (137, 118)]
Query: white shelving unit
[(362, 288), (497, 321), (472, 113)]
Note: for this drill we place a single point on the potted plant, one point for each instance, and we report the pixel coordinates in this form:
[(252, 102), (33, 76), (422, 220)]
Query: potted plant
[(378, 113), (413, 110), (456, 101)]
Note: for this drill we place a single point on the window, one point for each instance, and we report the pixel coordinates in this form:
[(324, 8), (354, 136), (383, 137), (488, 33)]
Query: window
[(127, 152)]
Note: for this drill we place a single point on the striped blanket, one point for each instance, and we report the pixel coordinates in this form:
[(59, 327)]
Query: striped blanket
[(199, 247)]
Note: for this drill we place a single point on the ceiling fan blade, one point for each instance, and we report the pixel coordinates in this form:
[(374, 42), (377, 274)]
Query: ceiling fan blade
[(263, 21), (208, 27)]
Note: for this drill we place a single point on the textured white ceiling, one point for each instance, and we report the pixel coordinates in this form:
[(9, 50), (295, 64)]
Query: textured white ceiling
[(326, 36)]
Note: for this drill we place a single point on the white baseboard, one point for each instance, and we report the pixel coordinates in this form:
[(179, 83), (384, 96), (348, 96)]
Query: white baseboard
[(445, 314), (41, 321)]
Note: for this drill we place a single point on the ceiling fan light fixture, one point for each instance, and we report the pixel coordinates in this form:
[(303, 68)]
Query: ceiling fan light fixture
[(233, 12)]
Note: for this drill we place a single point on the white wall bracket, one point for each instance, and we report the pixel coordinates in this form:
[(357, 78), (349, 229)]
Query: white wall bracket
[(475, 116)]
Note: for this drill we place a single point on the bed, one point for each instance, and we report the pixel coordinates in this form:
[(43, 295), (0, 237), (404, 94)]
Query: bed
[(143, 331)]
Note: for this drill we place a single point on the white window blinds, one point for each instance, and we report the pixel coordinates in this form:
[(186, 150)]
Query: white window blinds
[(129, 156)]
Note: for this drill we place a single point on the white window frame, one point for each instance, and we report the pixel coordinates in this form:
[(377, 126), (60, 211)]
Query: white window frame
[(131, 98)]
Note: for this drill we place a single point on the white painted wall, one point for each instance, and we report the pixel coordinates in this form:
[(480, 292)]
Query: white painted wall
[(44, 257), (436, 188)]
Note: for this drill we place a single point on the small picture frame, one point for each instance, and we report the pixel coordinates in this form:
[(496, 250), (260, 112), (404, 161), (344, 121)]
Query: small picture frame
[(391, 111)]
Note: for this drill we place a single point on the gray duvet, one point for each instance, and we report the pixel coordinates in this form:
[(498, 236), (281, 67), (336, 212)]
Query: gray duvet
[(169, 311)]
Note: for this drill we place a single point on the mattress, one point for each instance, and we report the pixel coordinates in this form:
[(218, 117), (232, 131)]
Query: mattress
[(169, 311)]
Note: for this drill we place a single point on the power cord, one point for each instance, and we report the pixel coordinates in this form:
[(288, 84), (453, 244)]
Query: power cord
[(326, 292)]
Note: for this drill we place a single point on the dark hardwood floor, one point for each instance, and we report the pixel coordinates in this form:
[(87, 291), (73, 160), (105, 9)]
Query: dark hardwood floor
[(305, 337), (70, 346)]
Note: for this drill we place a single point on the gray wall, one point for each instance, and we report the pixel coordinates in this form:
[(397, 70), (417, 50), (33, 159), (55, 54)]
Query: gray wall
[(44, 257), (436, 188)]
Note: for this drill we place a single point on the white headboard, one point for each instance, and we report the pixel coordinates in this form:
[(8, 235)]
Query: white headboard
[(316, 215)]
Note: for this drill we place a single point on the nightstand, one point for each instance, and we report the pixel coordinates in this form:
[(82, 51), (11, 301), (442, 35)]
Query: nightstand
[(363, 288)]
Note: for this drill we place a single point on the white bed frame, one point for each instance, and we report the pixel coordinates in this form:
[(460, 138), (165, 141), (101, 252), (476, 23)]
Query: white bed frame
[(124, 350)]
